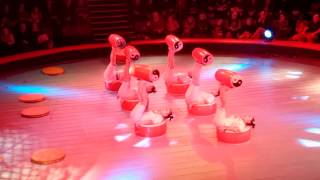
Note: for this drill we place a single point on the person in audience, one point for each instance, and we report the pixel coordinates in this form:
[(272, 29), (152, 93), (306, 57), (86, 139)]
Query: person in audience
[(69, 10), (219, 29), (262, 25), (156, 25), (44, 40), (300, 32), (189, 26), (234, 26), (7, 17), (24, 38), (247, 29), (36, 18), (313, 29), (282, 27), (6, 12), (222, 7), (23, 15), (7, 41), (141, 28), (172, 25), (5, 22), (202, 27)]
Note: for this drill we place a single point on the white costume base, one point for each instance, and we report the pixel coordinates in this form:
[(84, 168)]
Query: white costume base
[(231, 123), (195, 96), (139, 114)]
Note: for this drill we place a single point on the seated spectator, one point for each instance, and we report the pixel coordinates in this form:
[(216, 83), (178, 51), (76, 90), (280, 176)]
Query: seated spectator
[(234, 26), (282, 27), (44, 39), (222, 8), (315, 7), (247, 29), (156, 25), (193, 7), (69, 10), (219, 29), (7, 41), (300, 32), (7, 37), (140, 27), (24, 38), (189, 26), (6, 12), (36, 18), (262, 24), (238, 6), (202, 28), (23, 15), (211, 17), (172, 25), (5, 22), (313, 29)]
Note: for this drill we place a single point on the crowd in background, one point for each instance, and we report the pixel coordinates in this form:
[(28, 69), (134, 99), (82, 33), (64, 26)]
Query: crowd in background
[(34, 24), (295, 20)]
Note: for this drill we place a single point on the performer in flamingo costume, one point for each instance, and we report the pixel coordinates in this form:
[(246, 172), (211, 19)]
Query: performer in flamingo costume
[(175, 82), (194, 96), (127, 90), (229, 80), (111, 75), (140, 114)]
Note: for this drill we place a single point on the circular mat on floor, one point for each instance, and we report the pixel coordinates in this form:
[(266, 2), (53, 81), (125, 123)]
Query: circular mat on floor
[(47, 156), (35, 112), (31, 98), (53, 70)]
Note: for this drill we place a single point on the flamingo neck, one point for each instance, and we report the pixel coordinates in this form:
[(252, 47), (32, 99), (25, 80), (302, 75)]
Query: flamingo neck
[(222, 92), (170, 59), (126, 72), (113, 56), (196, 74), (142, 90)]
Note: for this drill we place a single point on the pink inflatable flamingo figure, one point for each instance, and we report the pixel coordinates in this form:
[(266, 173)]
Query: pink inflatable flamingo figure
[(112, 77), (149, 123), (127, 91), (232, 129), (200, 102), (176, 83)]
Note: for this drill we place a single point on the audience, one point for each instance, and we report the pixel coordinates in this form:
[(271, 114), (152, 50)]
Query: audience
[(219, 29), (234, 25), (172, 26), (156, 25), (313, 29), (248, 29), (202, 27), (189, 26), (240, 19), (23, 37), (27, 24), (282, 28)]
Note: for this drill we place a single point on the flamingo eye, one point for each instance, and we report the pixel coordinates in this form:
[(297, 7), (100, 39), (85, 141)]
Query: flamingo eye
[(206, 59)]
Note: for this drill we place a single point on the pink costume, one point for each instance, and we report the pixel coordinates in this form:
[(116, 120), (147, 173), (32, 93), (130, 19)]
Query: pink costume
[(174, 45), (127, 91), (229, 80), (194, 96), (140, 114), (117, 43)]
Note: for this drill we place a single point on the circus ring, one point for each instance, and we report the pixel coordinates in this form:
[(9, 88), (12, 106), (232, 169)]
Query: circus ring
[(281, 90)]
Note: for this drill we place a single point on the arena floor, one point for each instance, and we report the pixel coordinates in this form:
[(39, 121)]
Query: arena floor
[(86, 121)]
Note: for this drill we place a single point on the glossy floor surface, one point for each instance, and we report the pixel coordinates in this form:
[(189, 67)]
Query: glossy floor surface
[(86, 122)]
